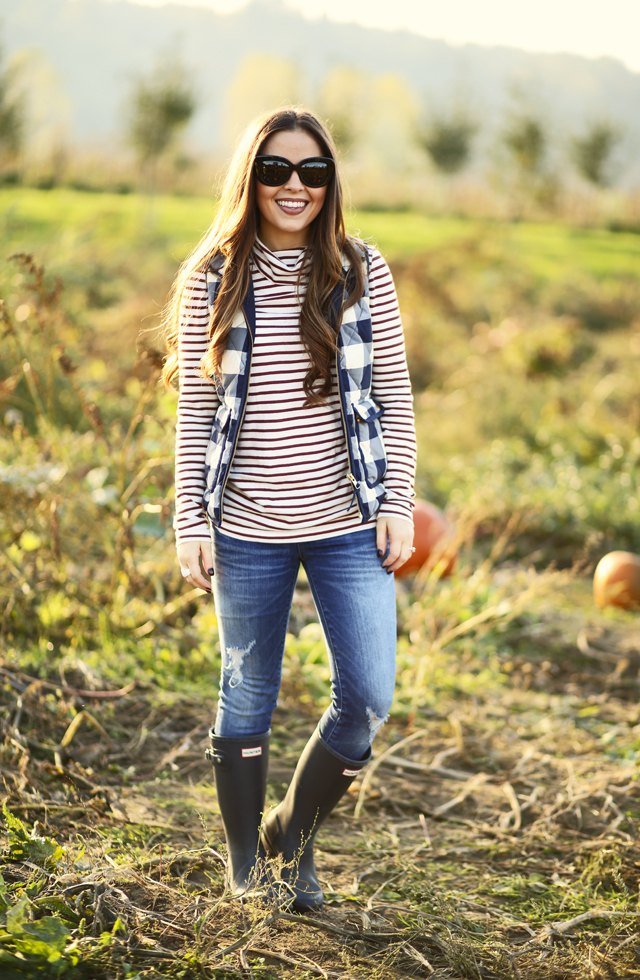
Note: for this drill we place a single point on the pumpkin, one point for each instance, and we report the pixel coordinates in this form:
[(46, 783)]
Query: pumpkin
[(616, 581), (431, 528)]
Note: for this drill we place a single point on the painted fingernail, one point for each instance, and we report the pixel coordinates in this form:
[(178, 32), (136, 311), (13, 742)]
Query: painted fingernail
[(380, 552), (209, 571)]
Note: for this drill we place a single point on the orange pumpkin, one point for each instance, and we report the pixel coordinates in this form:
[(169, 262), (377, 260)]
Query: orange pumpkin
[(616, 581), (430, 528)]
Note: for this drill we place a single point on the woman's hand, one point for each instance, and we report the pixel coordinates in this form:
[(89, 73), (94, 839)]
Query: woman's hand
[(190, 555), (395, 534)]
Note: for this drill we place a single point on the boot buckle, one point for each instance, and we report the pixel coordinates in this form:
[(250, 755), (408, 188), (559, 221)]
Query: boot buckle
[(217, 757)]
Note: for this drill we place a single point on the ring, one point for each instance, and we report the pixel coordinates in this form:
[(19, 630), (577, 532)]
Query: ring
[(412, 550), (185, 572)]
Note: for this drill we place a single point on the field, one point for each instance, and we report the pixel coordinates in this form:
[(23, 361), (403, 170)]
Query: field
[(495, 834)]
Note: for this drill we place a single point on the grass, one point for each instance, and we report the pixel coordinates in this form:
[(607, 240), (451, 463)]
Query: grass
[(32, 217), (496, 833), (49, 219), (544, 249), (500, 841)]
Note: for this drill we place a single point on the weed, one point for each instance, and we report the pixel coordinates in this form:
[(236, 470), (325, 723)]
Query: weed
[(495, 834)]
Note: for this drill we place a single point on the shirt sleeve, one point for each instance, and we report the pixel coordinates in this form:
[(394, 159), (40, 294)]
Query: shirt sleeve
[(197, 404), (391, 387)]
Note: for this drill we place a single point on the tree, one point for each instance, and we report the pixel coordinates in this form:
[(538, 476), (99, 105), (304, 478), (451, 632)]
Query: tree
[(390, 127), (591, 153), (262, 82), (531, 179), (12, 115), (526, 141), (448, 142), (161, 106), (345, 101), (42, 114)]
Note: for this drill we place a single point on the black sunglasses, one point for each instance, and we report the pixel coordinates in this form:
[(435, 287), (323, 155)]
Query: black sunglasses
[(313, 172)]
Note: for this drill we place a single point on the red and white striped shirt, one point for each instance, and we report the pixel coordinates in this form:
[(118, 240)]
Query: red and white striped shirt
[(288, 479)]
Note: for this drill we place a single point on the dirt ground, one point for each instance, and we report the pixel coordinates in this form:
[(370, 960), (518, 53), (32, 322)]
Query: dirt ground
[(495, 840)]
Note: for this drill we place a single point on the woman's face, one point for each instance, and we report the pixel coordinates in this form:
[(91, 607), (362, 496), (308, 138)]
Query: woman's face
[(287, 211)]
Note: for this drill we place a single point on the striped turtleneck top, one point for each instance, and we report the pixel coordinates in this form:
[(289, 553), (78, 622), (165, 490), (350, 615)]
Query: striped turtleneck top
[(288, 480)]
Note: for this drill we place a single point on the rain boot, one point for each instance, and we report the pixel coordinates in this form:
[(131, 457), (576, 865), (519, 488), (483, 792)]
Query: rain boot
[(240, 767), (321, 779)]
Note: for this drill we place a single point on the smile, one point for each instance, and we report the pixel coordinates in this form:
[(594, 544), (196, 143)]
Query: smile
[(292, 206)]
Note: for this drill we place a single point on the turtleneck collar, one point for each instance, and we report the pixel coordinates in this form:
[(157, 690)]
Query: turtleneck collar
[(284, 265)]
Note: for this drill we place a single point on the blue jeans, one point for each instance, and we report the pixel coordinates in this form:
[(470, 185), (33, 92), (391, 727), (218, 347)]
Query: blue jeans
[(355, 598)]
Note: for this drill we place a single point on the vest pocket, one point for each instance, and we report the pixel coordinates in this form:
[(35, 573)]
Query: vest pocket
[(367, 410), (373, 456), (217, 442)]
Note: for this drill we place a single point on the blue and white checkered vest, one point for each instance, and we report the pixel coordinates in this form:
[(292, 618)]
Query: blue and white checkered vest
[(360, 413)]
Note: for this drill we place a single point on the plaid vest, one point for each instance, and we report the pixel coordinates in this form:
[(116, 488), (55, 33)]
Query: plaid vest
[(361, 414)]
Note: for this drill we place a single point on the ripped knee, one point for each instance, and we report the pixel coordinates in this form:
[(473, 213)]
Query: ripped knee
[(233, 660), (375, 722)]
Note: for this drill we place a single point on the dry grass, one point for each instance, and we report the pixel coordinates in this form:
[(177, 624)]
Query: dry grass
[(494, 838), (495, 833)]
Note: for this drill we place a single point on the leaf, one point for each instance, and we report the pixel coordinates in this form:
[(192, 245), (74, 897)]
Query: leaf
[(9, 961), (15, 827), (49, 935), (54, 904), (4, 896), (17, 916), (118, 926), (25, 846), (34, 888), (46, 937)]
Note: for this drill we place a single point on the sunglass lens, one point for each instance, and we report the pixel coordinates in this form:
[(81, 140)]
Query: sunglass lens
[(272, 172), (316, 173)]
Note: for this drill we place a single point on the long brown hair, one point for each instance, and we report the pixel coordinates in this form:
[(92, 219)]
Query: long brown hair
[(232, 235)]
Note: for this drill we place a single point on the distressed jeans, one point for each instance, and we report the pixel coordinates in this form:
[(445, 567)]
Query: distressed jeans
[(355, 599)]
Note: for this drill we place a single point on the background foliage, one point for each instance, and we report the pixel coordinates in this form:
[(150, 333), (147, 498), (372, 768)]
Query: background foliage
[(523, 342)]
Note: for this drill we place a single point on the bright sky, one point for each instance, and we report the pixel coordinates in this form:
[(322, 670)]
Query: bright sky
[(588, 27)]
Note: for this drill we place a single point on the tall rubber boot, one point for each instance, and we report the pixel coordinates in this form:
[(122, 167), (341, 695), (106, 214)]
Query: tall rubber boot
[(321, 779), (240, 768)]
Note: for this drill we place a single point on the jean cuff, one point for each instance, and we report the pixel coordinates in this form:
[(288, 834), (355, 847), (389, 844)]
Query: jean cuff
[(354, 763), (240, 738)]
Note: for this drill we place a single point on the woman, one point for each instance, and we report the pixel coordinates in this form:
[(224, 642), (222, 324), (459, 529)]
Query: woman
[(294, 446)]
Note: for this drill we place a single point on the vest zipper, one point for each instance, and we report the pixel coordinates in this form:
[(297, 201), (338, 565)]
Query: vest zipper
[(244, 408)]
